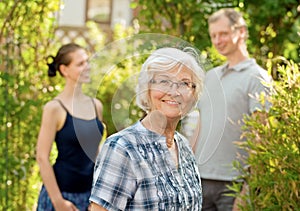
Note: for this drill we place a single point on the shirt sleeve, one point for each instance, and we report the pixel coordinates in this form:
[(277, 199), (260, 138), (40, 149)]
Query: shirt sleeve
[(114, 181), (259, 90)]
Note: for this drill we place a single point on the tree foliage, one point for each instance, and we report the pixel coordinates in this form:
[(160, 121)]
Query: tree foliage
[(273, 25), (26, 29), (183, 19)]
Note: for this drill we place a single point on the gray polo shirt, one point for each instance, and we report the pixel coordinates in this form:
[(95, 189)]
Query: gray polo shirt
[(228, 95)]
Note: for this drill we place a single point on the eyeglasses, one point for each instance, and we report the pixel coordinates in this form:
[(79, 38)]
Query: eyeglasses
[(165, 84)]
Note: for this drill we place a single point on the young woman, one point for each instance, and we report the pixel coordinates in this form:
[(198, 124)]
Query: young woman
[(73, 120)]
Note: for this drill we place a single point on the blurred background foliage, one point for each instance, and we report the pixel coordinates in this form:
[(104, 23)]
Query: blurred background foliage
[(273, 25), (27, 37), (274, 148)]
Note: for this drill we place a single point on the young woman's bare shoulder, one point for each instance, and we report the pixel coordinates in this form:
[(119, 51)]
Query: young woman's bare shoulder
[(99, 107), (53, 107), (98, 103)]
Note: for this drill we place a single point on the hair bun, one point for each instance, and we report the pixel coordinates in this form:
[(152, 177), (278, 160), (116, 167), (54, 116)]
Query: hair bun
[(51, 67)]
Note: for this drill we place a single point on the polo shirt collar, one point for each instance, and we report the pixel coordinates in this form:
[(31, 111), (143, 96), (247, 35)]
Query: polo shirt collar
[(240, 66)]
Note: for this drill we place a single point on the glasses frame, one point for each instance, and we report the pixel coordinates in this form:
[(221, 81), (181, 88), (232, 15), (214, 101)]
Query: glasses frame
[(182, 86)]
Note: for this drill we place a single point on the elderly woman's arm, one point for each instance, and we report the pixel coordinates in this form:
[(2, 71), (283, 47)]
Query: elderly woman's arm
[(97, 207)]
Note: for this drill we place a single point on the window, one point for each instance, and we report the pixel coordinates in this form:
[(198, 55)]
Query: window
[(99, 10)]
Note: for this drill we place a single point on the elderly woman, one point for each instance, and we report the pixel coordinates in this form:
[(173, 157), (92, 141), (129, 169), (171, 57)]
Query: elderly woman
[(149, 165)]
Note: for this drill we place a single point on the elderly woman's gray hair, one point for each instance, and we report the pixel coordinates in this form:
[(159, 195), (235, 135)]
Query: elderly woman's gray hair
[(163, 60)]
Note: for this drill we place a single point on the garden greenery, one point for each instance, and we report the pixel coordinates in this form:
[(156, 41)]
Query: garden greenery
[(27, 36), (273, 177), (26, 30)]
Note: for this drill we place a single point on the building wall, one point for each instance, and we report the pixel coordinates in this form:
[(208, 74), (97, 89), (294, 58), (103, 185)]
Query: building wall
[(72, 13), (121, 12)]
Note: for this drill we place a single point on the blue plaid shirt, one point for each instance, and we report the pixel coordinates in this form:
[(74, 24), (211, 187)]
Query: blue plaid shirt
[(135, 171)]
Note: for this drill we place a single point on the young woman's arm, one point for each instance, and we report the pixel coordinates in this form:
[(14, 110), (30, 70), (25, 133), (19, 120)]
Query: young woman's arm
[(52, 120)]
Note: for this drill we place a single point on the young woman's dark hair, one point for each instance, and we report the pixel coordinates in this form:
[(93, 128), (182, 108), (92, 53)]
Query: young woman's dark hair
[(62, 57)]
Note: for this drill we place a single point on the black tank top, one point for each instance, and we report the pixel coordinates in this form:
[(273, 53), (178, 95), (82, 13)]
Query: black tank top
[(77, 144)]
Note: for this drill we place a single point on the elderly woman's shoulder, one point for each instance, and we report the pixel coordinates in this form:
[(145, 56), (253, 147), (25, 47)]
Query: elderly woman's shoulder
[(125, 137)]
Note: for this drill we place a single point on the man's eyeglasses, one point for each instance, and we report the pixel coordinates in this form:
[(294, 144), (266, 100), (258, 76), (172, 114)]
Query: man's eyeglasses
[(165, 84)]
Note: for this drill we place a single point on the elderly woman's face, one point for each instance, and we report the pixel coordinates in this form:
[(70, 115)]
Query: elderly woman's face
[(172, 92)]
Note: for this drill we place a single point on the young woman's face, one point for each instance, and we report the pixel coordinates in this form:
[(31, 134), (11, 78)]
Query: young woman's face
[(172, 92), (79, 69)]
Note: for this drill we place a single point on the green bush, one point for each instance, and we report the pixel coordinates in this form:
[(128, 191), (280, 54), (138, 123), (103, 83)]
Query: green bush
[(26, 30), (274, 157)]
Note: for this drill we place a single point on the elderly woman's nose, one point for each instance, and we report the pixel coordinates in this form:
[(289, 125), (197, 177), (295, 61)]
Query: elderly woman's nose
[(173, 90)]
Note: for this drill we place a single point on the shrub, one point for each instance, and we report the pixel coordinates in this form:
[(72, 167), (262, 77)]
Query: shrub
[(274, 176)]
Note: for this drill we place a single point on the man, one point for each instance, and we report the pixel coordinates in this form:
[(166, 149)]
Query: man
[(229, 93)]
